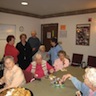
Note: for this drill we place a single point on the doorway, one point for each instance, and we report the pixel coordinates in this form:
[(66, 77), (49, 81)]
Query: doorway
[(48, 31)]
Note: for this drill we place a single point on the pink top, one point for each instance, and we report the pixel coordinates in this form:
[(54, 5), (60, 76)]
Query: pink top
[(91, 93), (58, 64), (39, 69)]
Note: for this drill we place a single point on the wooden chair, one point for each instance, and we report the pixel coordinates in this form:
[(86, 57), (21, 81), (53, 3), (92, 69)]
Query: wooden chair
[(77, 59), (91, 61), (28, 76)]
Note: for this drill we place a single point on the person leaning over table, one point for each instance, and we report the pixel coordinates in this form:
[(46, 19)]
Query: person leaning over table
[(13, 75), (10, 49), (53, 52), (39, 67), (88, 87), (62, 61)]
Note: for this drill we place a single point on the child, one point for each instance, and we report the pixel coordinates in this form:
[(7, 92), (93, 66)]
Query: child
[(88, 88)]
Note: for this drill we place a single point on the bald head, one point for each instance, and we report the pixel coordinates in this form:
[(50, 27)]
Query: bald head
[(33, 34)]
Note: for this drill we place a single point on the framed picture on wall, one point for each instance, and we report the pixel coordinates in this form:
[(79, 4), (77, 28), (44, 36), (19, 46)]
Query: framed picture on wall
[(83, 34), (7, 29)]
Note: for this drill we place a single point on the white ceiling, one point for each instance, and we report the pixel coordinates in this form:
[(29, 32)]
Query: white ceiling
[(46, 7)]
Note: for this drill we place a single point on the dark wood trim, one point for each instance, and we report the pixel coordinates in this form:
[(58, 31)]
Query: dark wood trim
[(77, 12), (11, 11)]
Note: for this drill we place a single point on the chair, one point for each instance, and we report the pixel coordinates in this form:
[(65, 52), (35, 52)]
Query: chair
[(91, 61), (77, 59), (28, 76)]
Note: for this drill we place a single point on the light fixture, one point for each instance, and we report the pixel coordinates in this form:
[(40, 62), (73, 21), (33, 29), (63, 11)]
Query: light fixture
[(24, 3)]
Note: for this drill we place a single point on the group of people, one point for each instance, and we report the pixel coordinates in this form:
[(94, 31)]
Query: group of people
[(25, 51), (31, 56)]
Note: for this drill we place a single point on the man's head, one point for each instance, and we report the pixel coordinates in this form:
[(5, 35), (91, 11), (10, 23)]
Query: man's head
[(90, 77), (38, 58), (9, 62), (33, 33)]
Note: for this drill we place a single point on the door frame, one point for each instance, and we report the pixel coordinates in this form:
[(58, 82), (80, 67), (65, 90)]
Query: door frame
[(47, 25)]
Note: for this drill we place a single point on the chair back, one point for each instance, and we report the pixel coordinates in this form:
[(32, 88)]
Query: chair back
[(91, 61), (28, 76), (77, 59)]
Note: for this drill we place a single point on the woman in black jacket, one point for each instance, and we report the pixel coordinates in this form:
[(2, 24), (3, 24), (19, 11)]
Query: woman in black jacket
[(25, 55)]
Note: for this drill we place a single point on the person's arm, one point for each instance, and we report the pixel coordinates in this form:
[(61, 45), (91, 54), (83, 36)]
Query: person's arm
[(55, 65), (49, 52), (66, 63), (17, 81), (75, 81), (2, 80), (50, 68), (37, 45)]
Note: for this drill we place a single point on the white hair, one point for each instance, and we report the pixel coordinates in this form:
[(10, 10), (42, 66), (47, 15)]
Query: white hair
[(38, 56), (42, 46), (91, 75)]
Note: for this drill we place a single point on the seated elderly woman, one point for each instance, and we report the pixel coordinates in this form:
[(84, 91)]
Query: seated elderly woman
[(62, 61), (88, 88), (39, 67), (13, 75), (42, 51)]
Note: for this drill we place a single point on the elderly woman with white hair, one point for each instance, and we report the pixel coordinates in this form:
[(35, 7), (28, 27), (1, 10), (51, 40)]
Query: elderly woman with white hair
[(42, 51), (39, 67), (13, 75), (88, 88)]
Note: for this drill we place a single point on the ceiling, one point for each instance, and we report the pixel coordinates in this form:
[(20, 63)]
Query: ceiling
[(46, 7)]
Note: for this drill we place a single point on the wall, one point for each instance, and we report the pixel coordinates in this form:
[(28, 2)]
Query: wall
[(29, 24), (68, 43)]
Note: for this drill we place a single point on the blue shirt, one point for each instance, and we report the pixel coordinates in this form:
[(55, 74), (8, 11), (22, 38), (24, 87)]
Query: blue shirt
[(81, 86), (54, 53)]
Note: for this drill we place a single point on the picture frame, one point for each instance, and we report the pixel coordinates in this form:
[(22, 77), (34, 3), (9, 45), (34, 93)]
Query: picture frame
[(83, 34)]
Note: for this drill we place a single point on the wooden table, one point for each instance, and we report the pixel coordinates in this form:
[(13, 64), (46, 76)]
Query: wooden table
[(44, 87)]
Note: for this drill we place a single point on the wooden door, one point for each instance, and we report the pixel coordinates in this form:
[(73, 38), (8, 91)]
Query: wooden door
[(48, 31)]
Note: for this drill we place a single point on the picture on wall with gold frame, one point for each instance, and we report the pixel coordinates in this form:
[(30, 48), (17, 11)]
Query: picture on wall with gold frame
[(83, 34)]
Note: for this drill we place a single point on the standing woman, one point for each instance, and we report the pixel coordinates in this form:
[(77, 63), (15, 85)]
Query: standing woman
[(53, 52), (25, 56), (10, 50)]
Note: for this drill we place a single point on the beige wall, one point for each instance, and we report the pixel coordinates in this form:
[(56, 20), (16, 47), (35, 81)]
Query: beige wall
[(28, 23), (68, 43)]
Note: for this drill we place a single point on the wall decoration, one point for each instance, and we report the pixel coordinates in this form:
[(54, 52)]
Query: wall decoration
[(63, 32), (48, 35), (7, 29), (21, 28), (83, 34)]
